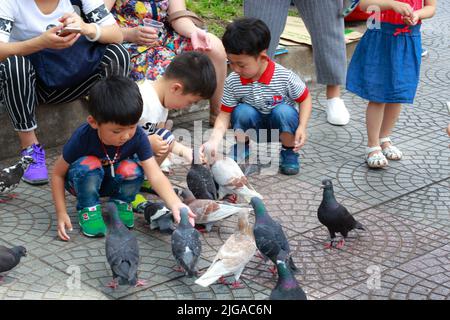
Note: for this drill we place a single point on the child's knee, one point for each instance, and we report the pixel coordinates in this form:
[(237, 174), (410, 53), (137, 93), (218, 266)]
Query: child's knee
[(244, 117), (87, 164), (129, 170)]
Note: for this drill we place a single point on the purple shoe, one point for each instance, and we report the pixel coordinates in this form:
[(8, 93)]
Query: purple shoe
[(37, 171)]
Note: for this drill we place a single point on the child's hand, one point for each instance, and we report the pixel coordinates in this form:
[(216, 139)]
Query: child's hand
[(411, 20), (63, 223), (176, 213), (200, 40), (402, 8), (159, 146), (211, 148), (300, 138)]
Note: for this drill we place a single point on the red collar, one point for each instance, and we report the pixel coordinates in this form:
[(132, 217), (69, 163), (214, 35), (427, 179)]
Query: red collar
[(266, 77)]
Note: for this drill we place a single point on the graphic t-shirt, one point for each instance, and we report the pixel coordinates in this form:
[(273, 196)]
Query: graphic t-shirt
[(22, 20), (86, 142), (154, 112)]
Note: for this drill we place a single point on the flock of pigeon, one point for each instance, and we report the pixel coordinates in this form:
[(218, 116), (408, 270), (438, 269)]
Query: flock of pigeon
[(206, 185)]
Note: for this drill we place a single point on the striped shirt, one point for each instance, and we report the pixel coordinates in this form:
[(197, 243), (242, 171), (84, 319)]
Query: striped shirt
[(276, 85)]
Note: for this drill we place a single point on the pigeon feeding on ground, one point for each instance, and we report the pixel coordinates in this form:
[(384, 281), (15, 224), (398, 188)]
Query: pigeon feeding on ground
[(230, 178), (287, 287), (186, 245), (233, 256), (207, 212), (269, 236), (10, 257), (10, 177), (122, 251), (158, 216), (200, 181), (335, 216)]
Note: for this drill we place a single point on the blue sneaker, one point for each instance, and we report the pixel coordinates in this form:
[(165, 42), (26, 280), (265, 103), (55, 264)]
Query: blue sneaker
[(289, 162), (239, 152)]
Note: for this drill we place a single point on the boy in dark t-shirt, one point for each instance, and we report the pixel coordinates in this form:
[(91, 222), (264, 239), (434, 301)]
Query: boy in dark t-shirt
[(108, 156)]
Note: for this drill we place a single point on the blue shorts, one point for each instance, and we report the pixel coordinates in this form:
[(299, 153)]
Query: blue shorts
[(283, 117)]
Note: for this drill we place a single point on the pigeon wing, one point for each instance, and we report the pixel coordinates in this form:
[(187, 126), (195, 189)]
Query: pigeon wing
[(7, 259), (266, 241)]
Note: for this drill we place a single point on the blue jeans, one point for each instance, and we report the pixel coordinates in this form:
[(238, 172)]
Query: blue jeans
[(87, 180), (283, 117)]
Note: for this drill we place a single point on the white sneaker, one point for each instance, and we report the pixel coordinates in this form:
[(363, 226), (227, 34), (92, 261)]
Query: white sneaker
[(337, 113)]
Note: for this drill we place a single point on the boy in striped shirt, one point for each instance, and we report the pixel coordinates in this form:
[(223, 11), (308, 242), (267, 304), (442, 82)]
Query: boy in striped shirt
[(260, 94)]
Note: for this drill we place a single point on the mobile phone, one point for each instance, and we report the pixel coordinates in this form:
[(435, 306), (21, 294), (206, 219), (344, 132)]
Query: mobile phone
[(67, 30)]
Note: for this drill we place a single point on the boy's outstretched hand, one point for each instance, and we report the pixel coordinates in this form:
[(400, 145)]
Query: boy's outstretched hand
[(176, 213), (63, 223), (300, 139)]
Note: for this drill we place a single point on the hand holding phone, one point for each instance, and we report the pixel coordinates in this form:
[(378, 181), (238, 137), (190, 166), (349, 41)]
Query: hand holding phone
[(69, 29)]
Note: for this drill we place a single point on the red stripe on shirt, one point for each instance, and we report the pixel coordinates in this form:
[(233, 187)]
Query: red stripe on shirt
[(303, 96), (227, 109)]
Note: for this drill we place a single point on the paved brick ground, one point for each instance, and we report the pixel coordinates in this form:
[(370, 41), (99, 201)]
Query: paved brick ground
[(406, 209)]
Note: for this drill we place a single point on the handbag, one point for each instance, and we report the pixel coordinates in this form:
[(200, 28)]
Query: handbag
[(65, 68)]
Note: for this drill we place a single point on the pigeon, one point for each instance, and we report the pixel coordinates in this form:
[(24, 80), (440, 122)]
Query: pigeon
[(269, 236), (186, 244), (287, 287), (334, 216), (233, 256), (10, 257), (158, 216), (200, 181), (208, 211), (10, 177), (122, 251), (230, 178)]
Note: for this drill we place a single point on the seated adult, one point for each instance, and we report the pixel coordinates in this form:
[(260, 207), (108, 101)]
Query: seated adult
[(27, 30), (152, 50)]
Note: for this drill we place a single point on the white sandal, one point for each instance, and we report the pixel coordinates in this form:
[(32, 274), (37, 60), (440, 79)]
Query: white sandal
[(391, 152), (377, 160)]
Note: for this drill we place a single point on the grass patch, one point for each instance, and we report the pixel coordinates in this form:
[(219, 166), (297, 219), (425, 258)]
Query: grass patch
[(216, 13)]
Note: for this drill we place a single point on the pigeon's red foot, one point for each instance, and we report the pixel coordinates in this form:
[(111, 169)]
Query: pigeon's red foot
[(259, 255), (140, 283), (200, 228), (178, 269), (340, 244), (328, 245), (273, 270), (237, 285), (222, 280), (8, 197), (231, 198), (113, 284)]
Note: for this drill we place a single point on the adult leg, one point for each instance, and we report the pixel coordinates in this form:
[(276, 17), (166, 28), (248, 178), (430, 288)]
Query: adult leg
[(273, 13), (18, 90), (326, 26)]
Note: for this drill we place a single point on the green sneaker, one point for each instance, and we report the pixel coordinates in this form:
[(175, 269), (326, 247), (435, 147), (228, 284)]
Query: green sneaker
[(125, 213), (91, 221)]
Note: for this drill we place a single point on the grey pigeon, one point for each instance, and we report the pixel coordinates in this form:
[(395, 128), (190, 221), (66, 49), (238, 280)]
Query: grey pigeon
[(186, 244), (10, 177), (122, 251), (158, 216), (269, 236), (335, 216), (200, 181), (10, 257), (287, 287), (207, 212)]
